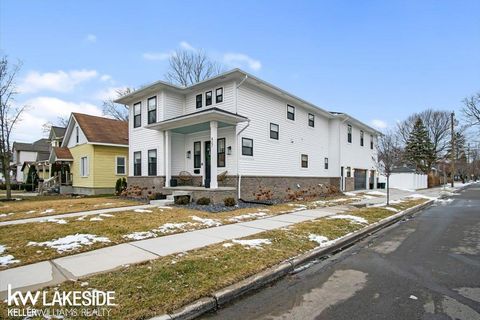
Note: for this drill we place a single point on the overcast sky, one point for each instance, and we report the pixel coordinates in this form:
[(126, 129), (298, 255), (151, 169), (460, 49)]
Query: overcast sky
[(376, 60)]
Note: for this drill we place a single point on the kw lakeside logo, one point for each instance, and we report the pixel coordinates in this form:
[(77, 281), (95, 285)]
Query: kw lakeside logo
[(88, 303)]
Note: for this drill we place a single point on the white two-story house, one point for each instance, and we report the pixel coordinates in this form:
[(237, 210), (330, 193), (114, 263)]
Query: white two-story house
[(240, 135)]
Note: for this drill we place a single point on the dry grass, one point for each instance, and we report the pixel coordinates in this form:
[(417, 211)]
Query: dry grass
[(165, 284), (31, 207)]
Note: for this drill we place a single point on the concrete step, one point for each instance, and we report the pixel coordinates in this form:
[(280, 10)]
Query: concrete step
[(170, 197), (165, 202), (181, 193)]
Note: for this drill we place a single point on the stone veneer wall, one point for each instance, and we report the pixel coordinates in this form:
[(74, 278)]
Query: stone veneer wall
[(349, 183)]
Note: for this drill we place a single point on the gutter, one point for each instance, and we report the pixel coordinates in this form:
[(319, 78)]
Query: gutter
[(239, 176), (340, 151)]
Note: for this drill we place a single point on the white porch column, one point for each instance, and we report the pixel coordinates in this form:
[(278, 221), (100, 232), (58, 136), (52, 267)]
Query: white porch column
[(367, 179), (168, 162), (213, 155)]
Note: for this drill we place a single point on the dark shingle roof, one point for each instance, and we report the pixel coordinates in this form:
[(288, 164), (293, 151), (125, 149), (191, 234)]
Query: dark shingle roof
[(59, 131), (41, 145), (103, 130)]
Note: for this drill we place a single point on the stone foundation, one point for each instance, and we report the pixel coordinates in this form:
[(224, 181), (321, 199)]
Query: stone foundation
[(349, 183)]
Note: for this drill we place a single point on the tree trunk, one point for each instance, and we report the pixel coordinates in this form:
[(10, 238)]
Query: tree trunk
[(6, 174), (388, 190)]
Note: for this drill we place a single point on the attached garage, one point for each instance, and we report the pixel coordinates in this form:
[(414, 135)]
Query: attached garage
[(360, 176)]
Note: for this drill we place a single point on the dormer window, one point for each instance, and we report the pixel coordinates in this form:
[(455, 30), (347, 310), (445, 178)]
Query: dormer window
[(198, 101)]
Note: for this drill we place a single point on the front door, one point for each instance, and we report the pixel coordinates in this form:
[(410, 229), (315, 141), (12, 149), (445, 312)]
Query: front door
[(207, 164)]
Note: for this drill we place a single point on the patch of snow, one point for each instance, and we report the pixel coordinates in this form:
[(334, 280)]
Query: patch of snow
[(104, 204), (421, 196), (54, 220), (228, 245), (248, 216), (31, 211), (48, 211), (83, 284), (321, 240), (376, 193), (70, 242), (106, 215), (2, 248), (11, 214), (82, 218), (443, 202), (413, 297), (253, 243), (142, 211), (139, 235), (354, 219), (207, 222), (339, 200), (96, 219), (163, 207), (350, 194), (171, 227), (368, 197), (392, 209), (264, 210), (3, 215), (8, 259)]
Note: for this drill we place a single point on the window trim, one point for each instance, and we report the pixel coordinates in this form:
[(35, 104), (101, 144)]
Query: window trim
[(302, 162), (311, 122), (124, 166), (84, 169), (243, 151), (148, 163), (154, 111), (135, 173), (199, 143), (139, 115), (325, 163), (362, 141), (224, 152), (349, 133), (207, 99), (275, 132), (199, 103), (292, 113), (219, 97)]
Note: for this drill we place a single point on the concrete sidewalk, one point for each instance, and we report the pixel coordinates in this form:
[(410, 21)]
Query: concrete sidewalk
[(73, 267), (75, 214)]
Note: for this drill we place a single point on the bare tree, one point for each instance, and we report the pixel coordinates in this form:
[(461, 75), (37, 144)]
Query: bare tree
[(115, 110), (389, 156), (188, 67), (10, 116), (60, 122), (438, 126), (471, 109)]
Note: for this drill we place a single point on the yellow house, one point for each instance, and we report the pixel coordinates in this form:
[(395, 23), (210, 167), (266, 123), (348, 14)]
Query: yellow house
[(93, 155)]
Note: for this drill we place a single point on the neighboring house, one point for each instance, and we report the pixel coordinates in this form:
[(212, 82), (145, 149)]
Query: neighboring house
[(236, 131), (26, 154), (92, 155), (407, 178)]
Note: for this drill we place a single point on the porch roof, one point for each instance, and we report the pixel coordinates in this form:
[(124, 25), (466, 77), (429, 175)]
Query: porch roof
[(199, 121)]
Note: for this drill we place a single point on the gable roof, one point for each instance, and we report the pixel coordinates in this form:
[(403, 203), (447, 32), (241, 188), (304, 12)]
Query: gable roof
[(102, 130), (57, 132), (41, 145)]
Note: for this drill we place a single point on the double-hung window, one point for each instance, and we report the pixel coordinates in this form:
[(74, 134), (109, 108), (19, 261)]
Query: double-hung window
[(290, 112), (221, 152), (208, 98), (219, 95), (311, 120), (247, 147), (274, 131), (304, 161), (198, 101), (84, 166), (371, 142), (152, 162), (197, 152), (326, 164), (120, 165), (361, 138), (349, 134), (152, 110), (137, 115), (137, 163)]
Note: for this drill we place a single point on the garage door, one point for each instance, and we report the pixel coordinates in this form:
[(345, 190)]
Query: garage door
[(360, 179)]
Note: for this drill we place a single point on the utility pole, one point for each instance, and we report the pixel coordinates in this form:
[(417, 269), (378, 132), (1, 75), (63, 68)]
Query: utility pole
[(452, 116)]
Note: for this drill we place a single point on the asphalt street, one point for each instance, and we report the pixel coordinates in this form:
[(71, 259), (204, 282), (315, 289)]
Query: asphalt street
[(427, 267)]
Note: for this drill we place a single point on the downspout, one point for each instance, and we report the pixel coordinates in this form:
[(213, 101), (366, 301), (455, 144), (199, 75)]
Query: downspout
[(239, 176), (340, 152)]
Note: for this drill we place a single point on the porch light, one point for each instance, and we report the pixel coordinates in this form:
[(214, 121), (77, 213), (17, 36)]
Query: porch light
[(229, 150), (189, 154)]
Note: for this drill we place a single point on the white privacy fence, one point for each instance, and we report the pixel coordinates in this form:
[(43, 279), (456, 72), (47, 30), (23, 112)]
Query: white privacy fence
[(410, 180)]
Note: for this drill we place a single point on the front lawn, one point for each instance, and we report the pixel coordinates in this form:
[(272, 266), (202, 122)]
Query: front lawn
[(165, 284)]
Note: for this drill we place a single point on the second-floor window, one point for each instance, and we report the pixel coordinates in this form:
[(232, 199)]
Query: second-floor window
[(197, 153), (349, 134), (152, 162), (152, 110), (311, 120), (361, 138), (198, 101), (274, 131), (290, 112), (137, 163), (304, 161), (371, 142), (208, 98), (219, 95), (221, 152), (137, 115)]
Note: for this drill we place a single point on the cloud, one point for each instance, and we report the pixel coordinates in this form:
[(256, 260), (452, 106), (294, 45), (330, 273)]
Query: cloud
[(106, 77), (47, 109), (187, 46), (157, 55), (60, 81), (91, 38), (108, 93), (239, 60), (379, 124)]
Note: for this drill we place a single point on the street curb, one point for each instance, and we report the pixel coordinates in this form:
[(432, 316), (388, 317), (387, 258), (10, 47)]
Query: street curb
[(261, 279)]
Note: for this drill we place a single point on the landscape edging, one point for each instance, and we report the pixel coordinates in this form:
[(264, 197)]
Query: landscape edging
[(261, 279)]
